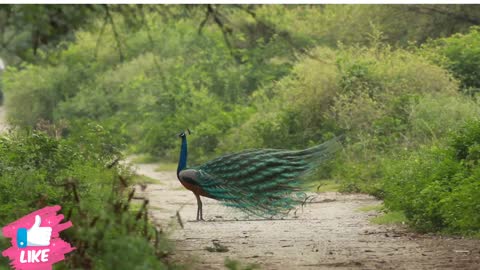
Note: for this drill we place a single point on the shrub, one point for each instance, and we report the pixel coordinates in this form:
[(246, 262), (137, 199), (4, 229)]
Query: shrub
[(437, 187), (368, 93), (355, 24), (466, 142), (32, 94), (170, 78), (460, 54), (435, 116), (84, 175), (290, 113)]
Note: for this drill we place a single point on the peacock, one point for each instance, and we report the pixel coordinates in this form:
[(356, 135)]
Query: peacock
[(263, 182)]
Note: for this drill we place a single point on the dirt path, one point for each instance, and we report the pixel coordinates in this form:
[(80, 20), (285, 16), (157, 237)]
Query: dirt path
[(329, 234)]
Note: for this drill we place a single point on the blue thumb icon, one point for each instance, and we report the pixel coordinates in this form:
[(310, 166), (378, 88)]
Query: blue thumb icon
[(22, 237)]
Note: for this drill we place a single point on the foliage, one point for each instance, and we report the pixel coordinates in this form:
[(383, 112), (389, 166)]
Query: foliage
[(150, 96), (433, 117), (328, 25), (36, 83), (393, 217), (27, 28), (460, 54), (83, 175), (466, 141), (237, 265), (368, 93), (437, 187), (290, 112), (386, 102)]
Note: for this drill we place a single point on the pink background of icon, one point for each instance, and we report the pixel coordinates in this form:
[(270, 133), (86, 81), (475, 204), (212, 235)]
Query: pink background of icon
[(57, 248)]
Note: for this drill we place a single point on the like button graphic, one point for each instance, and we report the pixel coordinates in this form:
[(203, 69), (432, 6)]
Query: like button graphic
[(35, 246), (35, 236)]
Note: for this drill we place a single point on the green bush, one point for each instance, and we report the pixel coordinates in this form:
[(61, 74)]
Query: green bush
[(291, 112), (355, 24), (33, 94), (373, 94), (171, 78), (437, 187), (82, 174), (466, 143), (460, 54), (433, 117)]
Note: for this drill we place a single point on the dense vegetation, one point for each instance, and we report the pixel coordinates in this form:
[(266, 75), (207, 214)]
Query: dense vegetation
[(403, 91), (82, 174)]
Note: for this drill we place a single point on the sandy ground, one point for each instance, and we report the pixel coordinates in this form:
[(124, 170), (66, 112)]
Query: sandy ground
[(330, 233)]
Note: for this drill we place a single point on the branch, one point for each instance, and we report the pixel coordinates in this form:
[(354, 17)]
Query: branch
[(149, 35), (272, 29), (70, 183), (202, 24), (4, 25), (113, 163), (429, 9), (152, 48), (115, 33), (102, 30), (247, 9), (218, 21), (216, 17)]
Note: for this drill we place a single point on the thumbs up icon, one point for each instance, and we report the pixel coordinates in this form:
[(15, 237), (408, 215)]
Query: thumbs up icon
[(35, 236)]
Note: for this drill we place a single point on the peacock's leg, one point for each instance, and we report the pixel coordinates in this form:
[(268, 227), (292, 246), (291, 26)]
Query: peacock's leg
[(199, 208)]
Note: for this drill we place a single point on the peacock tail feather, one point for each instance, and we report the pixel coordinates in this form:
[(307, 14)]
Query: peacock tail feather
[(264, 182)]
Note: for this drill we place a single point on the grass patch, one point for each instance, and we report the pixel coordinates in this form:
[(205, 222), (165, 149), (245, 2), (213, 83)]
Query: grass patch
[(394, 217), (237, 265), (135, 206), (144, 158), (325, 186), (143, 179), (368, 208), (166, 166)]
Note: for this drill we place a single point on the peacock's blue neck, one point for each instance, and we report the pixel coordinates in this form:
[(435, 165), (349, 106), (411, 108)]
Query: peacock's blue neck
[(182, 162)]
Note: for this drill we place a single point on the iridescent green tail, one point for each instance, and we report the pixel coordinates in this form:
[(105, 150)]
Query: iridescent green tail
[(264, 182)]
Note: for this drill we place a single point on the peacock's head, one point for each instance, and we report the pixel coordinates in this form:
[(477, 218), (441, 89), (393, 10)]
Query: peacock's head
[(184, 133)]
